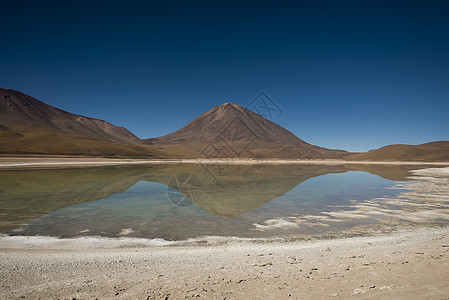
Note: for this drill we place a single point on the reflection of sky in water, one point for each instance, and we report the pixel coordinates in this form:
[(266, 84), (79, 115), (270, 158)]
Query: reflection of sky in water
[(261, 202), (323, 193)]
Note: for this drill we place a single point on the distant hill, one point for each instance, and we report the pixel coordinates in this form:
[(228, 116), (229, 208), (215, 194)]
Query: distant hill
[(431, 152), (28, 125), (232, 131)]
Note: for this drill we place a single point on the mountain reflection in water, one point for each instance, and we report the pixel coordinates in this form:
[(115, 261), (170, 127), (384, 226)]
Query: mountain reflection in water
[(64, 201)]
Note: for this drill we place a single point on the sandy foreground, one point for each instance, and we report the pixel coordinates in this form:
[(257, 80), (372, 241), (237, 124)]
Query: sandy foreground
[(404, 265), (61, 161)]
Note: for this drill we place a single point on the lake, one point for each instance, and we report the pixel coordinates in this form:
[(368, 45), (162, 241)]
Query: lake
[(178, 202)]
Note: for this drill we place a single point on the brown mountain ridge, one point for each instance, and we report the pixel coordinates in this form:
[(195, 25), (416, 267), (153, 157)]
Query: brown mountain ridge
[(30, 126), (430, 152)]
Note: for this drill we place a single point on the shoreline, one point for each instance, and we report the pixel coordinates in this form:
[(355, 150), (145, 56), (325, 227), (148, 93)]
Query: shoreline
[(19, 162), (38, 242), (393, 265)]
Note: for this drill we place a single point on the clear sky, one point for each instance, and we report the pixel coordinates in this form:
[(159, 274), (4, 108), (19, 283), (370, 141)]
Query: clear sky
[(352, 75)]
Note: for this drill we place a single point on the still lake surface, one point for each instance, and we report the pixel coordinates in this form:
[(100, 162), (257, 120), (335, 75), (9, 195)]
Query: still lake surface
[(176, 202)]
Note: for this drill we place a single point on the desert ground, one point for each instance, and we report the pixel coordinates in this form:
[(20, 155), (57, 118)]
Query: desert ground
[(403, 265)]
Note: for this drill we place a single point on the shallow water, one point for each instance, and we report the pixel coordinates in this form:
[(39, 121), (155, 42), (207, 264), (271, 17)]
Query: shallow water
[(176, 202)]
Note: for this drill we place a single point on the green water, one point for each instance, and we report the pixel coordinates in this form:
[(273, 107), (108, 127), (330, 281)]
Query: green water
[(176, 202)]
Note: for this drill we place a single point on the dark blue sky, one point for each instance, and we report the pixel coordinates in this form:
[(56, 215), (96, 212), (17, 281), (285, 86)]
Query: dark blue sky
[(353, 75)]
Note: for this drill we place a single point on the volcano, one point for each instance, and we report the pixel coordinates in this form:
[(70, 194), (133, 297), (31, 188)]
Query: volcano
[(232, 131)]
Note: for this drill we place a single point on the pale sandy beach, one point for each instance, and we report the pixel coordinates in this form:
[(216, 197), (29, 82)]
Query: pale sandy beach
[(404, 265), (58, 161)]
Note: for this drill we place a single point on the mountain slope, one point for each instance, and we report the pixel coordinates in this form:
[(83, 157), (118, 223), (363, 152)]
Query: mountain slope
[(28, 125), (18, 108), (432, 152), (230, 130)]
